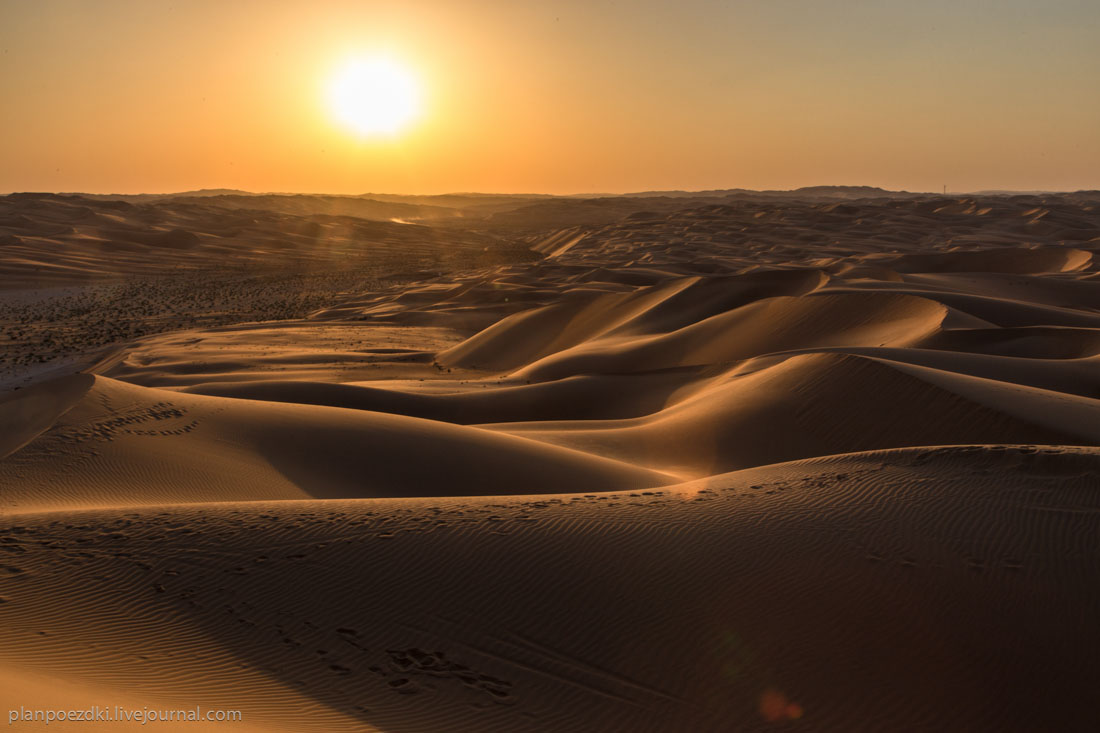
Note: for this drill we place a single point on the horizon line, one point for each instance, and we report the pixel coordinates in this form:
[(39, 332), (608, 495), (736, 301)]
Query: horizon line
[(218, 191)]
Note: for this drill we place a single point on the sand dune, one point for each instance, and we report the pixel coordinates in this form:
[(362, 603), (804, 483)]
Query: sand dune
[(768, 325), (803, 407), (521, 339), (122, 444), (575, 398), (731, 462), (870, 591)]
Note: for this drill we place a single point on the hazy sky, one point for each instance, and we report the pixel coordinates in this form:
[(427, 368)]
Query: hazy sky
[(558, 97)]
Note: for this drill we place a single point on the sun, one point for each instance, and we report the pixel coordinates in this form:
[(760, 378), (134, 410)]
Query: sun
[(374, 96)]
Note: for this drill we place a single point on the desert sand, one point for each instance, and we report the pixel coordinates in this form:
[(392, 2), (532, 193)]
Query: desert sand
[(824, 460)]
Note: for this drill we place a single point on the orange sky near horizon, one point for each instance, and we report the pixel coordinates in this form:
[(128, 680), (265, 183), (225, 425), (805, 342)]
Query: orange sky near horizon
[(554, 97)]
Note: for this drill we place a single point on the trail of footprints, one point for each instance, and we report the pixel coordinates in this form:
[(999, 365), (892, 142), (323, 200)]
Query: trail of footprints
[(125, 421)]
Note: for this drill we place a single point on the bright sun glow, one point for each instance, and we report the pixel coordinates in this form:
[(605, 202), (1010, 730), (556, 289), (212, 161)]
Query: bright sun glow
[(374, 96)]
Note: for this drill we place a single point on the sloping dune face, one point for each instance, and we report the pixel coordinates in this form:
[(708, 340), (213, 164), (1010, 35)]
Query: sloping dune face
[(751, 465), (124, 444), (895, 590)]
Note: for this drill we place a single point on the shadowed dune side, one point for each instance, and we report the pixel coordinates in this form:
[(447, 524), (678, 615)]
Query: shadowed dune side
[(620, 396), (1060, 292), (127, 445), (1006, 260), (761, 327), (892, 590), (24, 415), (575, 398), (710, 296), (822, 404), (1041, 342), (1003, 312), (1079, 376), (529, 335)]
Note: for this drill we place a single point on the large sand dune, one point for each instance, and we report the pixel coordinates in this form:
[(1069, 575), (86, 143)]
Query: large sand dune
[(734, 463)]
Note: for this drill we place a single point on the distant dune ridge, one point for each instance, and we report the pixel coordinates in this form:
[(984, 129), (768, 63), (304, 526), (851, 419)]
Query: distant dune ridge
[(824, 459)]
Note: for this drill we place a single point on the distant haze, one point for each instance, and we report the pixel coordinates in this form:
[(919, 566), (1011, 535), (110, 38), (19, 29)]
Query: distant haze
[(554, 97)]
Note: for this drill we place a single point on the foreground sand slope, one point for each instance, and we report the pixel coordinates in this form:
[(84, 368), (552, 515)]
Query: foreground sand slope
[(895, 590)]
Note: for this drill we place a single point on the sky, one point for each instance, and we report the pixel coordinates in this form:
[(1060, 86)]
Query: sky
[(119, 96)]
